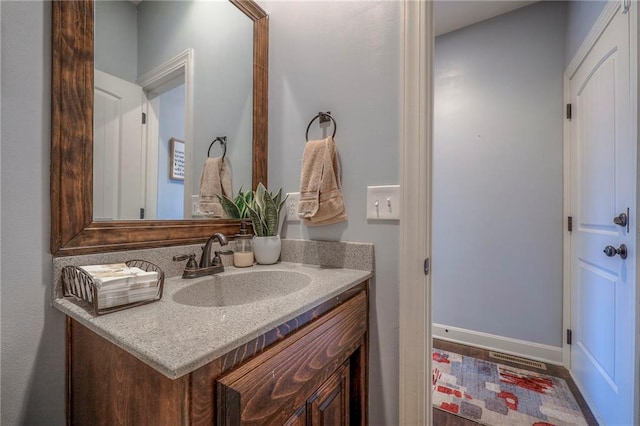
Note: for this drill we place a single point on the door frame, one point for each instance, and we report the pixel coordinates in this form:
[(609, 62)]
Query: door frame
[(415, 219), (179, 66), (609, 11), (151, 135)]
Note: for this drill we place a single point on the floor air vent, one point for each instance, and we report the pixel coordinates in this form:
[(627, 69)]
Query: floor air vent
[(517, 360)]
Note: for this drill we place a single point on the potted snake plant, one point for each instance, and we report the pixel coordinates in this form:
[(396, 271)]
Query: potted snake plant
[(264, 211)]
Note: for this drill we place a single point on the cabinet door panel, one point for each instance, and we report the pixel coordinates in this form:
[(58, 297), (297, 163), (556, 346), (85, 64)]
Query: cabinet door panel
[(329, 406), (269, 388)]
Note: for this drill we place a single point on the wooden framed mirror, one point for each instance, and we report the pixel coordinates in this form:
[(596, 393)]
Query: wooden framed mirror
[(73, 229)]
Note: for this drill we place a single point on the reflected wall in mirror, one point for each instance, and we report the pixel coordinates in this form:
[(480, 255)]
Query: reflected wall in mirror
[(73, 228), (133, 44)]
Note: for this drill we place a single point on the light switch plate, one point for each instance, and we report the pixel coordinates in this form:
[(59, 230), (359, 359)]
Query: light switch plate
[(291, 207), (383, 202)]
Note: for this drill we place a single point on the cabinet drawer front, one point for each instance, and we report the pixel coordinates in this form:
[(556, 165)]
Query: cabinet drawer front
[(270, 387)]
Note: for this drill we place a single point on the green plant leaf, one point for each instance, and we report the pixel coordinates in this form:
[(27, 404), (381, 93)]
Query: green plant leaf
[(248, 197), (277, 198), (280, 206), (229, 207), (258, 224), (258, 196), (247, 200), (270, 216), (242, 205)]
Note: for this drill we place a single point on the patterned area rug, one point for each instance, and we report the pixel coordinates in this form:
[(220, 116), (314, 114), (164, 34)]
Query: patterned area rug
[(495, 394)]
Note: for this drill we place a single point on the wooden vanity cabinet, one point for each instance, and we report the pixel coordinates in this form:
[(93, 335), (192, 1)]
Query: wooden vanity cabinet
[(311, 370)]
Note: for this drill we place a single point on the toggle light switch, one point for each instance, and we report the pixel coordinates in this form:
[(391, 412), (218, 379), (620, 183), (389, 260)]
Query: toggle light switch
[(383, 202)]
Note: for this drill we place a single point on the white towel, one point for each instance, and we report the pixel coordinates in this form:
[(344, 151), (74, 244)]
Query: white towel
[(215, 180)]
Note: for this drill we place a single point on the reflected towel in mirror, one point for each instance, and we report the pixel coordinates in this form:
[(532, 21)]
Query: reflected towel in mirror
[(215, 180)]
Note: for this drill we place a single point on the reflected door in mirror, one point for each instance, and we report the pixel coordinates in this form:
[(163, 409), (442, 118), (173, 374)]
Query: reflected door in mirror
[(118, 180)]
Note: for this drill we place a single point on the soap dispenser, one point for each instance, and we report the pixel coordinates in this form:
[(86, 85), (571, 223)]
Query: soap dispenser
[(243, 249)]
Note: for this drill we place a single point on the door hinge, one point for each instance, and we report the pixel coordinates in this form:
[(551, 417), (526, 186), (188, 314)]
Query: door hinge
[(141, 212), (569, 111), (569, 336), (570, 224), (144, 118), (626, 4), (427, 266)]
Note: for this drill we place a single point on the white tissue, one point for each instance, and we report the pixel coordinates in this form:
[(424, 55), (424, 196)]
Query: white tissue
[(118, 284)]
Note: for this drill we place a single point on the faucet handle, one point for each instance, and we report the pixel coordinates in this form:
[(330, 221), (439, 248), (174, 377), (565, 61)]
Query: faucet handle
[(191, 263), (216, 258)]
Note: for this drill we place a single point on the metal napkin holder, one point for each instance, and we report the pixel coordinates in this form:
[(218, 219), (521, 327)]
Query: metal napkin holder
[(76, 282)]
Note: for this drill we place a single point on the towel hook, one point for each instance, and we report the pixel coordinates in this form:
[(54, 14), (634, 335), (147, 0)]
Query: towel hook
[(324, 117), (223, 142)]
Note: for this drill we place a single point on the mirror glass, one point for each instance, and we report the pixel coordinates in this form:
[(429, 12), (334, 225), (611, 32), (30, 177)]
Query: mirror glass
[(152, 137)]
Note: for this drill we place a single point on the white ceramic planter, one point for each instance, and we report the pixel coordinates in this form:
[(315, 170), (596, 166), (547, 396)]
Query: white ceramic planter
[(267, 249)]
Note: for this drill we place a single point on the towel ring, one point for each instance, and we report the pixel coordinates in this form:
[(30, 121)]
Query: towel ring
[(324, 117), (223, 142)]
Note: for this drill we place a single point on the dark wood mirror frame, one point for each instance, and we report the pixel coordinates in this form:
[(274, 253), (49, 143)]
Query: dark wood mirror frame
[(73, 230)]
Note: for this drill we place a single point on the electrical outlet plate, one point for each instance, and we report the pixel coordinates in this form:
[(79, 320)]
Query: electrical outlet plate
[(383, 202), (291, 207)]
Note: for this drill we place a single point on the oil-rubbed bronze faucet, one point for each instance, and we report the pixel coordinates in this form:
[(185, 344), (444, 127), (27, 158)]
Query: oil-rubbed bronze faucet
[(205, 260), (207, 265)]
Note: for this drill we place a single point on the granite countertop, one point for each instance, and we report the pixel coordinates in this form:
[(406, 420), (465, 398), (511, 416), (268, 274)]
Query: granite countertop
[(176, 339)]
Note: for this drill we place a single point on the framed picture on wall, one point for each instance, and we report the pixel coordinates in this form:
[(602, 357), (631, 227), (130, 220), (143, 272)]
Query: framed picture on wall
[(176, 168)]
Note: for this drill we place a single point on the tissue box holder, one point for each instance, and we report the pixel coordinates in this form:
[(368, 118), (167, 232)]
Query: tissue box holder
[(78, 283)]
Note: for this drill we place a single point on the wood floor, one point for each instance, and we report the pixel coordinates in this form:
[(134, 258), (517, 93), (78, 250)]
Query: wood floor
[(441, 418)]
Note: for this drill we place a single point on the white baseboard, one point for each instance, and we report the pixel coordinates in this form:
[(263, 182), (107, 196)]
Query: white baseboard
[(522, 348)]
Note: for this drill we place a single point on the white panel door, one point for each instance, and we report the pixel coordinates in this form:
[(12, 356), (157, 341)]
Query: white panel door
[(603, 186), (118, 186)]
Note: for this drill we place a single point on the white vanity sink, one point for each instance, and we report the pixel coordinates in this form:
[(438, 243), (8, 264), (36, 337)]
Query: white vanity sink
[(240, 288)]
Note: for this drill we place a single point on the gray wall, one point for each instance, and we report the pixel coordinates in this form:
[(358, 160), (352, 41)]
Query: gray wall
[(32, 332), (170, 191), (581, 15), (344, 57), (497, 215), (222, 39), (116, 41)]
